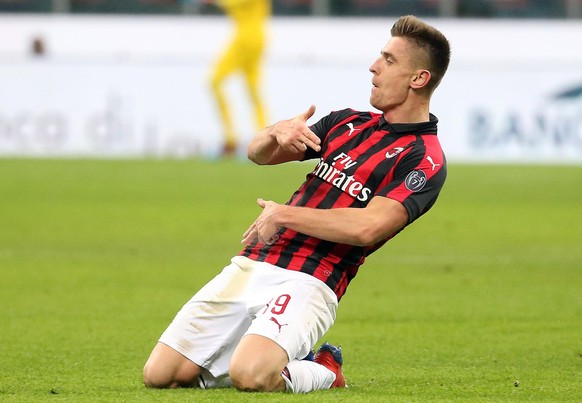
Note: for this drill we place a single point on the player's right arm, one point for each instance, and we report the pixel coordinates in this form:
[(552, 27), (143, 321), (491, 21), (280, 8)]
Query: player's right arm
[(286, 140)]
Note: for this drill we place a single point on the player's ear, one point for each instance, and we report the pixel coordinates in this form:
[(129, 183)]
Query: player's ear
[(420, 79)]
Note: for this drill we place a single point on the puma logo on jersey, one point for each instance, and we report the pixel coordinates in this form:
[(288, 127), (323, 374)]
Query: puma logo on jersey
[(278, 324), (429, 158), (352, 128)]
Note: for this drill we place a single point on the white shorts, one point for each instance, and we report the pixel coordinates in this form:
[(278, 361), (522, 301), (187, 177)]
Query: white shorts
[(291, 308)]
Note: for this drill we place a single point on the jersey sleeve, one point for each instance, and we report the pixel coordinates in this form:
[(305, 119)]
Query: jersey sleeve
[(418, 180)]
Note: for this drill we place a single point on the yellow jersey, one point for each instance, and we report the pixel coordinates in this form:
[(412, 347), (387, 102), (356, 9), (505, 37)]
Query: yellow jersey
[(248, 15)]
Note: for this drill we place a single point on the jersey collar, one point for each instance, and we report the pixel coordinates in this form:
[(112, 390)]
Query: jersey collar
[(429, 127)]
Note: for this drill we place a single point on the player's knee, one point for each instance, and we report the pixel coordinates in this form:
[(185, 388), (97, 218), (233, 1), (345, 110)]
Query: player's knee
[(249, 382), (154, 378), (161, 378), (166, 368), (246, 379)]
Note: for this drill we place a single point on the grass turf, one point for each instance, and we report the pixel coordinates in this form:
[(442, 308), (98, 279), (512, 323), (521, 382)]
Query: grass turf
[(481, 300)]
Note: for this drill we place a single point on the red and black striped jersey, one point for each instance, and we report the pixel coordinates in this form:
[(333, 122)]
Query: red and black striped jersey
[(362, 156)]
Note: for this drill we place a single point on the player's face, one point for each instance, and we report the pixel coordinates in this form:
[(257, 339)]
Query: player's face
[(392, 73)]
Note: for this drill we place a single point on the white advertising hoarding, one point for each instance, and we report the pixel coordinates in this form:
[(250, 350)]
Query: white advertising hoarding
[(132, 87)]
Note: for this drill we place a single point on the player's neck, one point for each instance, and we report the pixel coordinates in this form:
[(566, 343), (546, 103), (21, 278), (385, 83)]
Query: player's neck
[(409, 112)]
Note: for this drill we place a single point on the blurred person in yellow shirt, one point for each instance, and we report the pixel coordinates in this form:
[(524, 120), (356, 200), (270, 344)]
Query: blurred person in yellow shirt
[(243, 54)]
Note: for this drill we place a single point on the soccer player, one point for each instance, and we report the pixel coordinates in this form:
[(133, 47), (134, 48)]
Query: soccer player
[(254, 324), (243, 54)]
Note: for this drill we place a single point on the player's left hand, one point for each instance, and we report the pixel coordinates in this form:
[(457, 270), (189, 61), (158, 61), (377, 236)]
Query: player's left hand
[(264, 228)]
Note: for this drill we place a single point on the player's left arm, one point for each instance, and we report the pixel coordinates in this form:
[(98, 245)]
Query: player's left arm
[(379, 220)]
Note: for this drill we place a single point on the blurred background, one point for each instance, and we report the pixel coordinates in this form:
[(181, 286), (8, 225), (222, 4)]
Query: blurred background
[(433, 8), (132, 78)]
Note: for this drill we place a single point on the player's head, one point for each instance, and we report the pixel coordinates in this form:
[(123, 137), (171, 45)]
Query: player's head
[(430, 47), (409, 68)]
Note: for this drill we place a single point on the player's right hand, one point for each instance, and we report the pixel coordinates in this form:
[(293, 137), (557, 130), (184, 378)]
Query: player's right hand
[(294, 134)]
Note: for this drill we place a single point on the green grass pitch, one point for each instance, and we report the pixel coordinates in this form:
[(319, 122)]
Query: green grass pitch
[(479, 301)]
